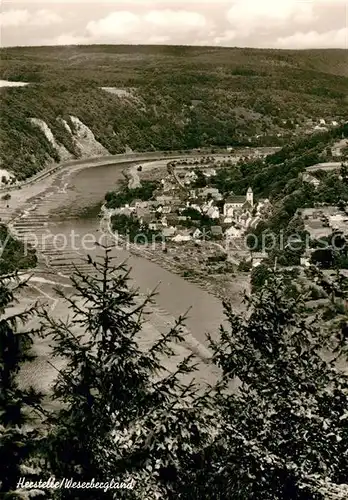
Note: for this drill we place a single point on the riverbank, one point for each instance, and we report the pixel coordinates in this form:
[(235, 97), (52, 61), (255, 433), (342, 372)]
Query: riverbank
[(44, 179), (44, 207), (29, 198), (229, 287)]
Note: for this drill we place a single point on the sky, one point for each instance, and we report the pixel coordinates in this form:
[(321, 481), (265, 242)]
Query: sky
[(284, 24)]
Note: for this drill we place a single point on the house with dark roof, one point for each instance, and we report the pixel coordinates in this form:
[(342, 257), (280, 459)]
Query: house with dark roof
[(216, 231), (210, 191)]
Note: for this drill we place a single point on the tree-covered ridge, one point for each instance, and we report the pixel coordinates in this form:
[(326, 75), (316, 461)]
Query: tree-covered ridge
[(178, 97), (278, 174)]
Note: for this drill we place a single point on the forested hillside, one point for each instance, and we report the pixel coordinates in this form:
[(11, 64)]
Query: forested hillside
[(279, 172), (163, 98), (280, 177)]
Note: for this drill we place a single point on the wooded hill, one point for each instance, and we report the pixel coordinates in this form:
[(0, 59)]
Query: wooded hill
[(177, 97)]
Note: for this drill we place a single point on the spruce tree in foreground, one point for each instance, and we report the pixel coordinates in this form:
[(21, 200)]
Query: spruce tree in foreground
[(285, 433), (18, 439), (122, 416)]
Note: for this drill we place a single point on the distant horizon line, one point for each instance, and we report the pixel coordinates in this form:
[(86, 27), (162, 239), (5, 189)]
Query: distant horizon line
[(224, 47)]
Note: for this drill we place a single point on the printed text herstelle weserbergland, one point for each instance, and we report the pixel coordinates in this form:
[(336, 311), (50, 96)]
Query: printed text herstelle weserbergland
[(68, 483)]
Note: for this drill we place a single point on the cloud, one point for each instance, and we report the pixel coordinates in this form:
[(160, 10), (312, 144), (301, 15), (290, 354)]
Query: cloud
[(116, 24), (258, 23), (226, 38), (313, 39), (20, 17), (245, 16), (44, 18), (13, 18), (171, 19), (66, 39), (156, 26), (158, 40)]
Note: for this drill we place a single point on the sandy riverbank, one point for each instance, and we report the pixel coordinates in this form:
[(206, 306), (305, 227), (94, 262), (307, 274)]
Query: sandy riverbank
[(41, 373)]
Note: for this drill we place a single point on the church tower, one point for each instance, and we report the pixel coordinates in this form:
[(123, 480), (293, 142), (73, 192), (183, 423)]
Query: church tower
[(250, 197)]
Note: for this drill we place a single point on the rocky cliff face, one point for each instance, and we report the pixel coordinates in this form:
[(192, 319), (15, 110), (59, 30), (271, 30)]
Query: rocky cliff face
[(83, 139), (63, 153)]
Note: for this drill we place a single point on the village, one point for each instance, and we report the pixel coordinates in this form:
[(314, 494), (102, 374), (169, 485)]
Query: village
[(180, 212), (192, 228)]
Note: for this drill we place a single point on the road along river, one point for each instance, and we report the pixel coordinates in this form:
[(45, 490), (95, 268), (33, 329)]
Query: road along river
[(60, 216), (59, 220)]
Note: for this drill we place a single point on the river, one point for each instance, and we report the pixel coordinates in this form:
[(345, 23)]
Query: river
[(87, 189), (71, 203)]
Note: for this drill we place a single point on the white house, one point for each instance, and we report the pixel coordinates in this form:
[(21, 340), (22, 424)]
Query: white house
[(190, 177), (5, 177), (338, 147), (233, 232), (310, 179), (339, 222), (228, 220), (263, 206), (194, 206), (257, 258), (168, 232), (166, 199), (210, 172), (182, 237), (305, 261), (245, 220), (213, 213), (322, 128), (139, 204), (167, 186), (207, 205), (125, 211), (154, 225), (255, 221)]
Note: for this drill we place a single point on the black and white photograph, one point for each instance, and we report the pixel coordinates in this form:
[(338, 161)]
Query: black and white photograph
[(174, 250)]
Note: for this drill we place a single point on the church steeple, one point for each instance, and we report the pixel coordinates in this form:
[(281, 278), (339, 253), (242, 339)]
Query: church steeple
[(250, 197)]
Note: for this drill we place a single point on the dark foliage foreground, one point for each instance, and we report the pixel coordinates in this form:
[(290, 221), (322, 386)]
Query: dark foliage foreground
[(122, 415)]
